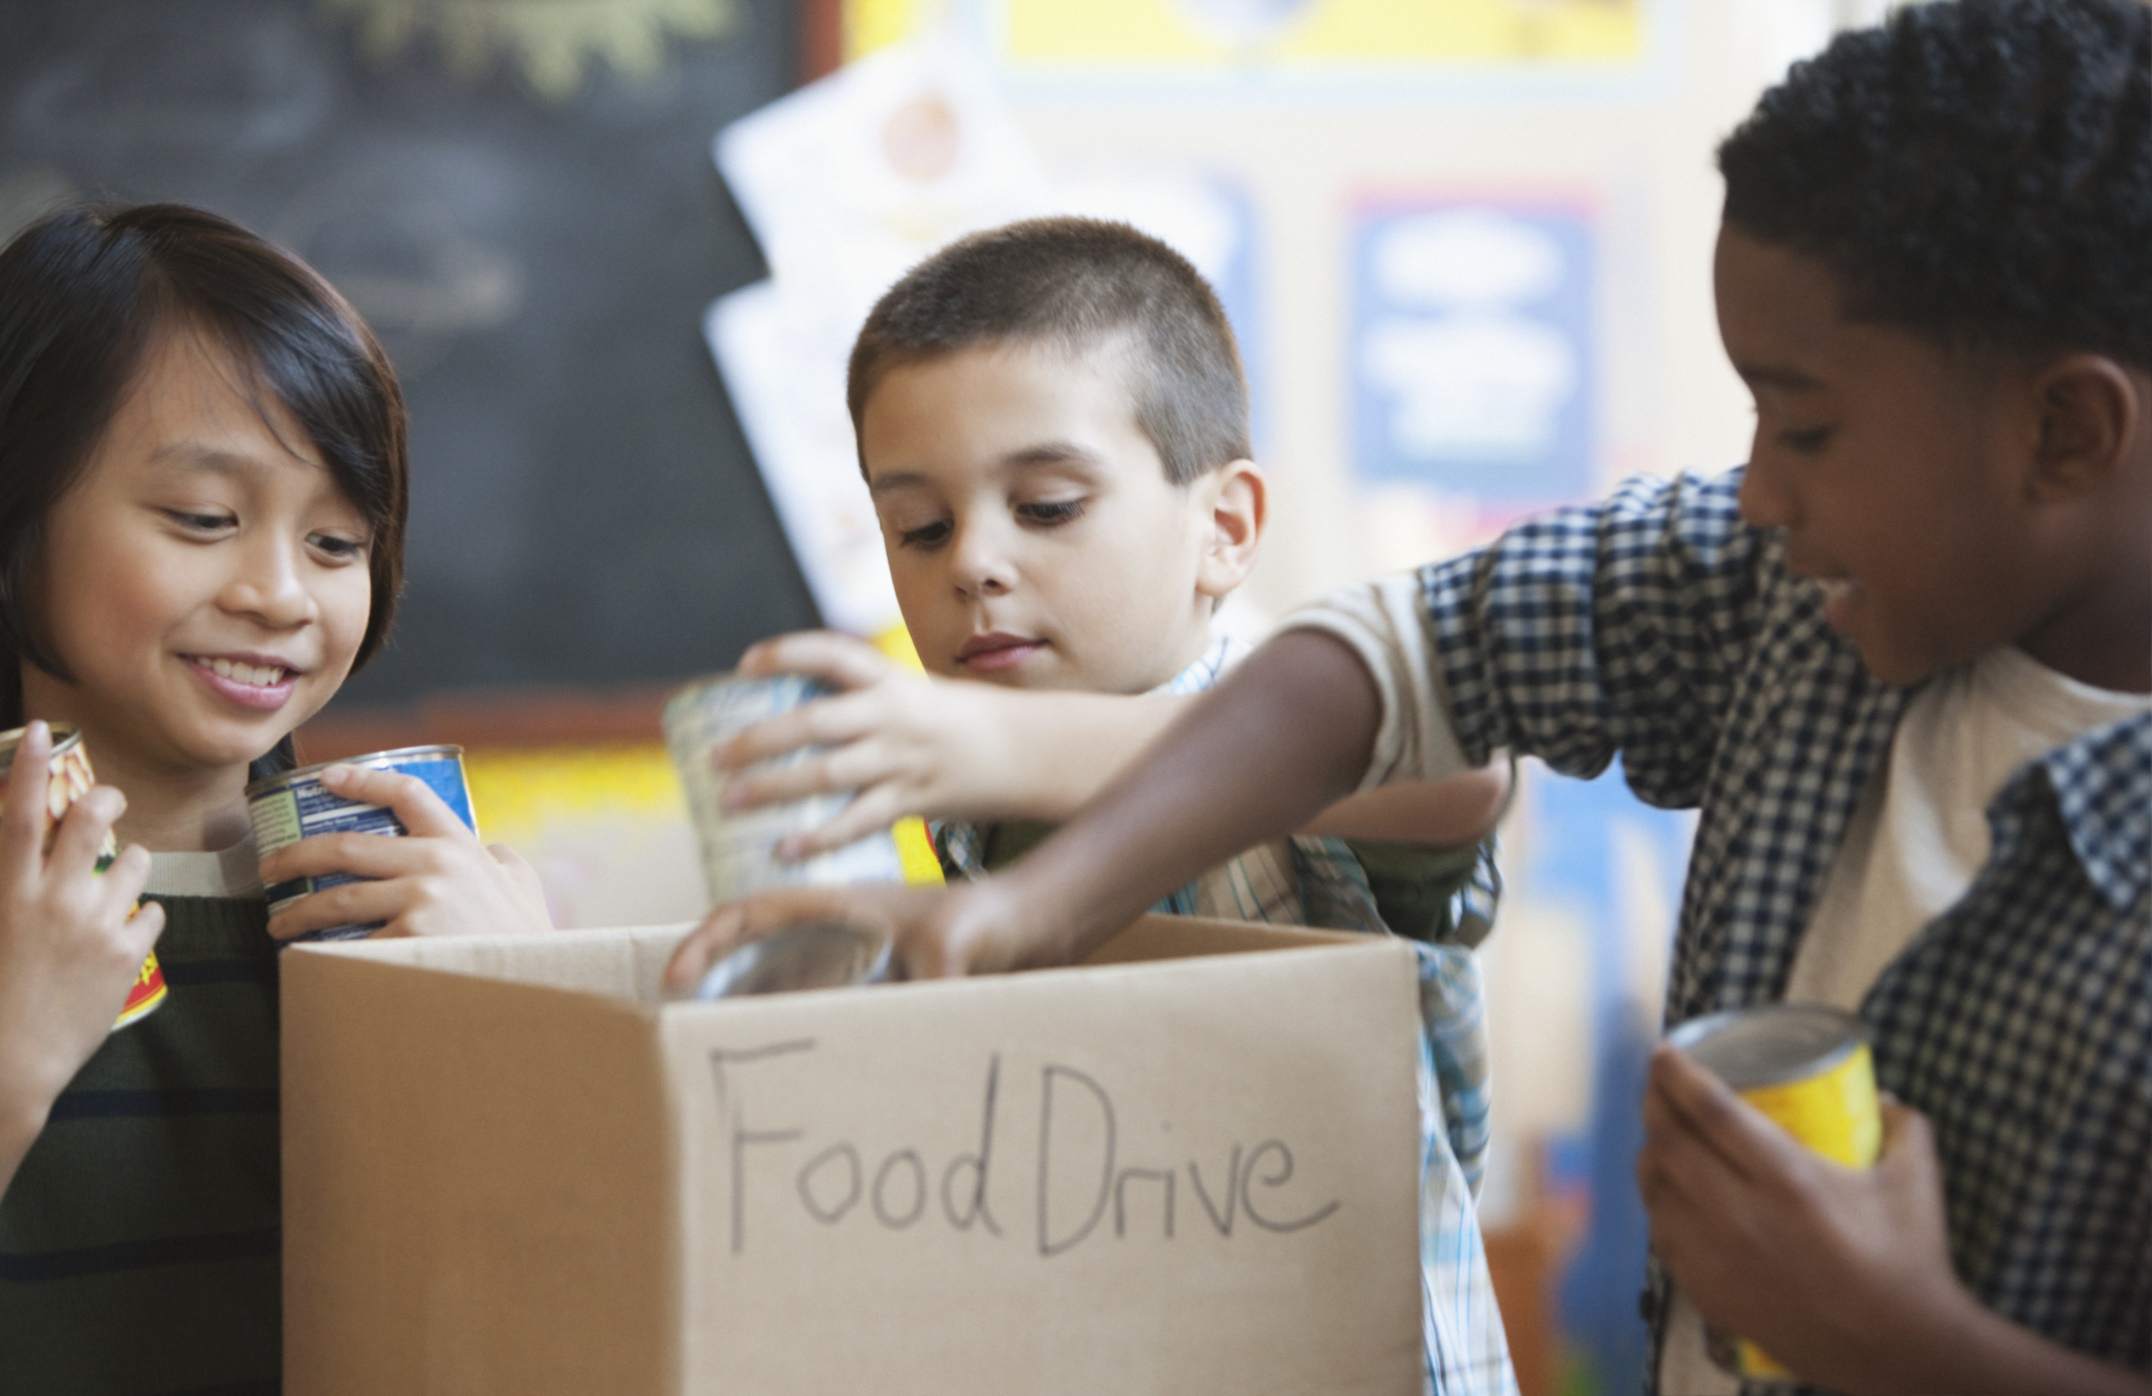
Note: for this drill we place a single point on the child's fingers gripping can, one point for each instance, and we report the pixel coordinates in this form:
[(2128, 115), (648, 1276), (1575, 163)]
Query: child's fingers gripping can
[(739, 847), (69, 778), (1809, 1069), (295, 805)]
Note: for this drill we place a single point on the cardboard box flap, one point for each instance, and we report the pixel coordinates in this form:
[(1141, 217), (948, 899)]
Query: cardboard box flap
[(468, 1172), (625, 963), (1177, 937)]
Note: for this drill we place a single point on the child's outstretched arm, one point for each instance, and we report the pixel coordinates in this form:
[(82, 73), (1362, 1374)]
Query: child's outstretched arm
[(1619, 628), (912, 744), (1303, 701), (1283, 737), (437, 879), (1843, 1276), (68, 948)]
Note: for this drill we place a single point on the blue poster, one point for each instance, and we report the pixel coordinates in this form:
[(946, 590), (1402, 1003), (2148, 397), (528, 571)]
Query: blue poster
[(1616, 865), (1472, 348)]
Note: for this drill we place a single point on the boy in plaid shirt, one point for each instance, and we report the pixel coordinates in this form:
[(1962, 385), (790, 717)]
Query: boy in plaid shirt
[(1053, 424), (1902, 665)]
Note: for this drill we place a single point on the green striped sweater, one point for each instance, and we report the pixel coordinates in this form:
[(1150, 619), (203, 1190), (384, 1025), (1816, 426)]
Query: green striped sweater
[(139, 1241)]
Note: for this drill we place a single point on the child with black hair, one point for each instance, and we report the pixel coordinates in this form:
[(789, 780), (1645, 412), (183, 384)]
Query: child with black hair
[(202, 505), (1902, 665)]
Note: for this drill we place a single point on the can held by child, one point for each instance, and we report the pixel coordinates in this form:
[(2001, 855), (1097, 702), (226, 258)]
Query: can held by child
[(817, 955), (295, 805), (1809, 1069), (69, 779), (739, 846)]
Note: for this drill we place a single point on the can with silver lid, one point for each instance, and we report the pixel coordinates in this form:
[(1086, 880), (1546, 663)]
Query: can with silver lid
[(295, 805), (739, 846), (68, 778), (1808, 1067), (813, 955)]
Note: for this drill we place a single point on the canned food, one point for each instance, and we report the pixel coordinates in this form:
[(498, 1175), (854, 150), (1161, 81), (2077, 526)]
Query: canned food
[(69, 778), (739, 846), (295, 805), (1808, 1068), (817, 955)]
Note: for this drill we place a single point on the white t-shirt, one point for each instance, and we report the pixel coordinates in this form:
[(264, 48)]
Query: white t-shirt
[(1916, 841), (227, 872)]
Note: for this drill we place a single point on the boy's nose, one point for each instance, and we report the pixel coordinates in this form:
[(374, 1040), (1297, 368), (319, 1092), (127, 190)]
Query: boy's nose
[(1764, 501), (270, 589), (978, 566)]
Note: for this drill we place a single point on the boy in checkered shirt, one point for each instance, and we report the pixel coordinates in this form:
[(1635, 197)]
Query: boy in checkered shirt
[(1901, 663)]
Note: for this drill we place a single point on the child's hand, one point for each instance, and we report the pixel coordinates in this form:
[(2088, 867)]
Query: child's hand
[(905, 742), (69, 952), (936, 932), (437, 879), (1843, 1275)]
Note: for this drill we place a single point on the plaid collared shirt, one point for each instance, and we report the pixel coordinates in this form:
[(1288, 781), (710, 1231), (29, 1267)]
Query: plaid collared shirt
[(1658, 627), (1313, 881)]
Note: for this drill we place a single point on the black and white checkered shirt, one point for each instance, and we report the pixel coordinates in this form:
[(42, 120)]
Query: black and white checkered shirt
[(1656, 626)]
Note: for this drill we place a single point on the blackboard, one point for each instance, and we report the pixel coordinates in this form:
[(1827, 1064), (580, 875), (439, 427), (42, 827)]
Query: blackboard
[(528, 215)]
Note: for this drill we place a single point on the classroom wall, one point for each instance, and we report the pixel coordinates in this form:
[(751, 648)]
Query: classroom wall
[(1636, 149)]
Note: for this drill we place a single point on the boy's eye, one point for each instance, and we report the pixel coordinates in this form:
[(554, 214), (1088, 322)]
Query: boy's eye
[(338, 548), (1808, 441), (193, 521), (1051, 511), (925, 536)]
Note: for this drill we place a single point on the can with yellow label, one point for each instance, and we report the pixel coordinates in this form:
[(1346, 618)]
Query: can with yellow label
[(69, 779), (1808, 1067)]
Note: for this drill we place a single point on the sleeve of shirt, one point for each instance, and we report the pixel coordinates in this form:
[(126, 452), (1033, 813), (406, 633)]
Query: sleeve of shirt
[(1619, 628)]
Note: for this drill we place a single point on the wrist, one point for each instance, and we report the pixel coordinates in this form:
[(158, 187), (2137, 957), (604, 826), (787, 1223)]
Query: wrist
[(1048, 919), (24, 1110), (1947, 1340), (994, 738)]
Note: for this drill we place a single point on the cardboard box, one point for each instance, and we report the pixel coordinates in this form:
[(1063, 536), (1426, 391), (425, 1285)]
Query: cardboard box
[(1191, 1166)]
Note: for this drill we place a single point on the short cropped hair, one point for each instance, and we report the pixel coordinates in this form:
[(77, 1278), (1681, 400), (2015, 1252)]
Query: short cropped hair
[(1075, 283), (1977, 172)]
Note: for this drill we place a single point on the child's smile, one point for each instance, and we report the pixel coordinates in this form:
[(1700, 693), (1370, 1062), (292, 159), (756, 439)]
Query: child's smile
[(1903, 477), (249, 680)]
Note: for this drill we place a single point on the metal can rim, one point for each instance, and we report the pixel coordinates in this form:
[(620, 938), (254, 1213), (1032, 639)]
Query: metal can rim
[(693, 689), (66, 736), (1851, 1036), (744, 962), (390, 757)]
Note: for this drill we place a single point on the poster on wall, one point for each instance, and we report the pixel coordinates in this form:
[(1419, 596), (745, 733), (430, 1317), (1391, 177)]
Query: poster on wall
[(1315, 36), (1471, 363), (847, 183)]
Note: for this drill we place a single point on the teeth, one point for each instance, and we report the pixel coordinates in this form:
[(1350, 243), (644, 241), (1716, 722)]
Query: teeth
[(258, 676)]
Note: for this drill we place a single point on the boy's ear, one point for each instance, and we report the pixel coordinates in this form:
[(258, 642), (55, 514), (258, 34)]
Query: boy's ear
[(2091, 412), (1239, 501)]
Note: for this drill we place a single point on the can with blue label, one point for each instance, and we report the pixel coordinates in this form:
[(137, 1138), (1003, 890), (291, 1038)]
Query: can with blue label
[(289, 807)]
